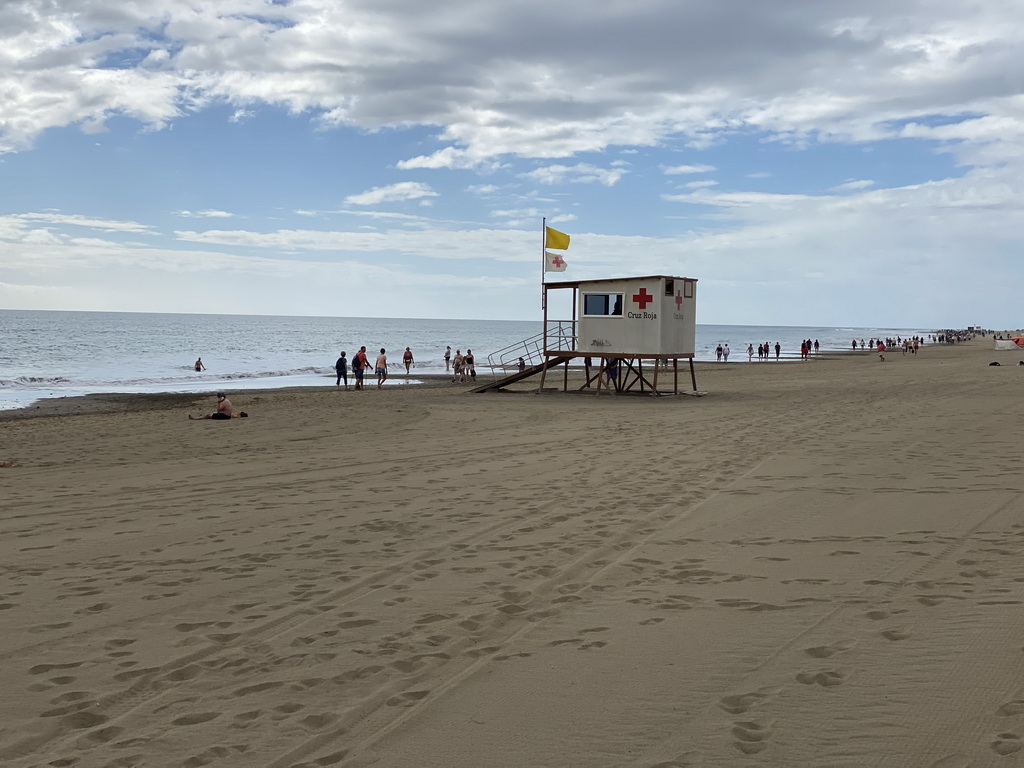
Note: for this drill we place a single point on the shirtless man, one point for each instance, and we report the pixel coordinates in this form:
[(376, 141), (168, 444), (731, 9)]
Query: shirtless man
[(223, 409), (457, 361), (199, 365), (382, 368)]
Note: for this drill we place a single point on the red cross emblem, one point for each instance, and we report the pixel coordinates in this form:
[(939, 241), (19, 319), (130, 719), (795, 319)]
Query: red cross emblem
[(643, 298), (557, 261), (679, 300)]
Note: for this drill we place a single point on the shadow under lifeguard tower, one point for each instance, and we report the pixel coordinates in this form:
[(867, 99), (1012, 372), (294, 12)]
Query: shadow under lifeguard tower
[(631, 333)]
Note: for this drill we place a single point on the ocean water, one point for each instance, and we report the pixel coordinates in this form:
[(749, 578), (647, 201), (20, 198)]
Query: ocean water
[(62, 354)]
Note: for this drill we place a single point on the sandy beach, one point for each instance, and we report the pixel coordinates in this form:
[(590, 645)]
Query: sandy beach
[(815, 564)]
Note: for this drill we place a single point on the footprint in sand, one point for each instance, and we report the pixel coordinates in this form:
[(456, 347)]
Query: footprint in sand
[(895, 635), (42, 669), (1015, 707), (828, 678), (750, 736), (1006, 744), (825, 651), (740, 703)]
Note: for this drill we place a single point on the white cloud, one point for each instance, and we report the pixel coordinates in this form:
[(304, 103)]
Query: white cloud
[(105, 225), (464, 96), (581, 173), (675, 170), (853, 184), (402, 191), (448, 157), (207, 214), (839, 71)]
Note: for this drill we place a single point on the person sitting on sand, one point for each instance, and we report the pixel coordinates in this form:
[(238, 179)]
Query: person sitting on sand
[(224, 410)]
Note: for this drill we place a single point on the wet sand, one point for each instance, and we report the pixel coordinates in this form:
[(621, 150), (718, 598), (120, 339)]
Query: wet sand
[(816, 564)]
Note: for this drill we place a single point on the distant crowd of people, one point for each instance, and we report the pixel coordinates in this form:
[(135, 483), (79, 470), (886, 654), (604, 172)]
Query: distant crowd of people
[(461, 366), (809, 347)]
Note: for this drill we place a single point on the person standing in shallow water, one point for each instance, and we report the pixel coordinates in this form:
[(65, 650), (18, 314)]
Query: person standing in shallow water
[(382, 368), (407, 359), (199, 365), (341, 369), (359, 365), (778, 349), (457, 374)]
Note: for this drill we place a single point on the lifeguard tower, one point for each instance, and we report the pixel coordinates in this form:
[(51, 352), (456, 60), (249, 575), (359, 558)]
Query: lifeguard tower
[(631, 333)]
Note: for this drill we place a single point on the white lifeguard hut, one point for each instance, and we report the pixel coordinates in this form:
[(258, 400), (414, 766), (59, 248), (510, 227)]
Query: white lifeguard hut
[(631, 333)]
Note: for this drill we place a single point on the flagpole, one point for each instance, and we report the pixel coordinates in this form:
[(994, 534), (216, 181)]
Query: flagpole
[(543, 263)]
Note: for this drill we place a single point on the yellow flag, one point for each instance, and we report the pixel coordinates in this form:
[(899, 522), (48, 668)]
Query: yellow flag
[(556, 239)]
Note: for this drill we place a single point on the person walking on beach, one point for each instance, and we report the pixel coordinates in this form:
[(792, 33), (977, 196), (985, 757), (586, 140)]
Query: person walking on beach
[(223, 410), (522, 365), (359, 366), (611, 371), (457, 374), (750, 353), (407, 359), (778, 349), (199, 365), (468, 363), (718, 353), (447, 359), (382, 368), (725, 352), (815, 346), (341, 368)]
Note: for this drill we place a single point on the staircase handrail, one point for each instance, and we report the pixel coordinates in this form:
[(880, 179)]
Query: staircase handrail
[(560, 335)]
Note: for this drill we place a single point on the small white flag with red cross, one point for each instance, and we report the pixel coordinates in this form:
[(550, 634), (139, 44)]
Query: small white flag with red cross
[(553, 262)]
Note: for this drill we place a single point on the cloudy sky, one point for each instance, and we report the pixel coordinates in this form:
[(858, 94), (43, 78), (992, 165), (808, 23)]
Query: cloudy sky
[(810, 163)]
